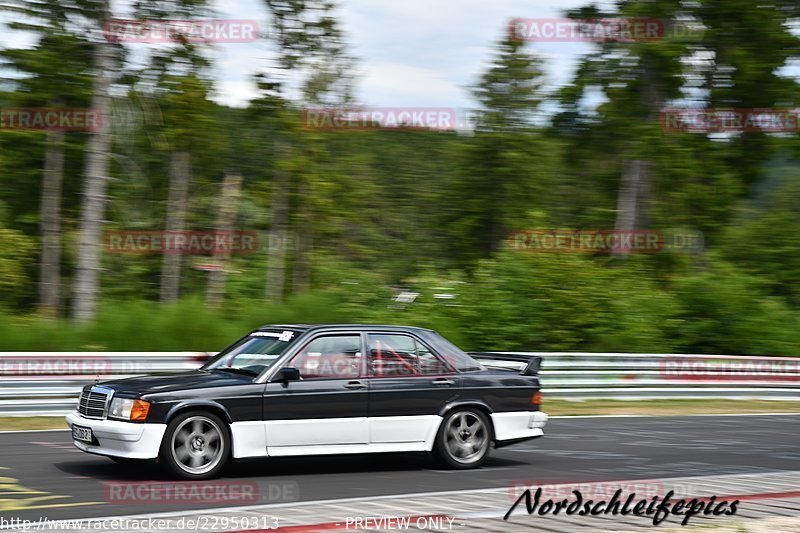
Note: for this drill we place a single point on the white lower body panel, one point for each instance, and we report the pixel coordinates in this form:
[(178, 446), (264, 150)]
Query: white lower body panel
[(120, 439), (397, 429), (330, 449), (282, 438), (249, 439), (351, 435), (518, 425), (318, 431)]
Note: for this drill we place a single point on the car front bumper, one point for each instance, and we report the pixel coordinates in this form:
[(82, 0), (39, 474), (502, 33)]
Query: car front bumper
[(119, 439)]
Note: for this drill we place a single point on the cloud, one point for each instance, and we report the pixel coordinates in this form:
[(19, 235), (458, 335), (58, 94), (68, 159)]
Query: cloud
[(421, 52), (235, 93), (413, 52)]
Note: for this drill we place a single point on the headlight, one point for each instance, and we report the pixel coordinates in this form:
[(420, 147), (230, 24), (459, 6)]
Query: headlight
[(128, 409)]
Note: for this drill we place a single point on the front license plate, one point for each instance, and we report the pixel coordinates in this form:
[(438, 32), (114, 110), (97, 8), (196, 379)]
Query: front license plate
[(82, 434)]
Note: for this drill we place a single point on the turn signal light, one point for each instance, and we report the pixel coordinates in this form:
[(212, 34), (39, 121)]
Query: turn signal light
[(139, 410), (536, 399)]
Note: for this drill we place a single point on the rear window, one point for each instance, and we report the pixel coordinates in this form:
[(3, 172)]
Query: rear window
[(402, 355), (453, 354)]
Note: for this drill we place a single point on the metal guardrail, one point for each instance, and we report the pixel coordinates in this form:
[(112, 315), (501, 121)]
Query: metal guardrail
[(620, 376), (39, 384), (49, 383)]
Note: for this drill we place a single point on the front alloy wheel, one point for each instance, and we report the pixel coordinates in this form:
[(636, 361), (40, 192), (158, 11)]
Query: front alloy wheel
[(195, 446), (464, 438)]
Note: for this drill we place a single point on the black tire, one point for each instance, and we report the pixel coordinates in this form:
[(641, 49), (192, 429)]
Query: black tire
[(464, 438), (196, 445)]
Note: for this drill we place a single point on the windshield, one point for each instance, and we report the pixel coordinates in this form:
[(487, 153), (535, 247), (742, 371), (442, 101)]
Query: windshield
[(253, 354)]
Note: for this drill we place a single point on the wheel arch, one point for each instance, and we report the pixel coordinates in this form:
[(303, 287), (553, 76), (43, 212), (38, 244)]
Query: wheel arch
[(200, 405), (476, 404)]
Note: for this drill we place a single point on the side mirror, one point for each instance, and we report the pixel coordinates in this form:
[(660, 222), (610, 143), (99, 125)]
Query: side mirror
[(288, 374)]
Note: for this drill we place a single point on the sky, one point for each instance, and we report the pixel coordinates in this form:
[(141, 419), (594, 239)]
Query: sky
[(414, 53), (410, 53)]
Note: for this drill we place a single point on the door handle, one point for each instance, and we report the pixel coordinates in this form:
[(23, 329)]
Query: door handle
[(355, 385), (443, 381)]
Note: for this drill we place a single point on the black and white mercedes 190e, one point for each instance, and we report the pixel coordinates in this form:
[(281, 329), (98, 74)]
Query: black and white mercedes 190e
[(306, 390)]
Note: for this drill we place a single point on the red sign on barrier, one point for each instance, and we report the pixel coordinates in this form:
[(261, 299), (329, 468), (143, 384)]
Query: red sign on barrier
[(729, 369), (60, 366)]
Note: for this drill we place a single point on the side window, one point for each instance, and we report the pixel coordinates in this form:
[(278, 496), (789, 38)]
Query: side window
[(330, 357), (429, 364), (401, 355), (392, 355)]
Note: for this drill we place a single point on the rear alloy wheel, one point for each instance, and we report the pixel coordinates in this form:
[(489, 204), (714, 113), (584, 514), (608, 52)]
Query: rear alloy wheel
[(195, 446), (464, 439)]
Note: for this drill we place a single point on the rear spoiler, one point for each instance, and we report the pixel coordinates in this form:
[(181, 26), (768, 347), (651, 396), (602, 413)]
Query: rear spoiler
[(528, 365)]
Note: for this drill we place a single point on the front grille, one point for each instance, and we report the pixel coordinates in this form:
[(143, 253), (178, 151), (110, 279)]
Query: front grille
[(93, 403)]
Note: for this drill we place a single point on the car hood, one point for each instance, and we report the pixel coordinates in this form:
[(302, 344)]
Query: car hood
[(172, 382)]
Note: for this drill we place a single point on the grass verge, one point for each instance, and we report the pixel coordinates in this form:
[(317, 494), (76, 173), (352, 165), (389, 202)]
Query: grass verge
[(18, 423), (666, 407)]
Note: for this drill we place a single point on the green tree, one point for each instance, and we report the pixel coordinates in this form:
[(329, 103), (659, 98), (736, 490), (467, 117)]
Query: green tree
[(636, 79), (312, 55), (98, 155), (15, 254), (508, 163), (749, 50), (51, 74)]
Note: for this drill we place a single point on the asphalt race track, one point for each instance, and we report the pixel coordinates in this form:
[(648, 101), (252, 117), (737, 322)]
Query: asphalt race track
[(42, 475)]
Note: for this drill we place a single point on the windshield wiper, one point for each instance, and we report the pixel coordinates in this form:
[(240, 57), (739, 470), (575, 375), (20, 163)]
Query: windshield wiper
[(242, 371)]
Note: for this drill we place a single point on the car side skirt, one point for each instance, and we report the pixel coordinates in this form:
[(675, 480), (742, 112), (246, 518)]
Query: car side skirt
[(282, 438)]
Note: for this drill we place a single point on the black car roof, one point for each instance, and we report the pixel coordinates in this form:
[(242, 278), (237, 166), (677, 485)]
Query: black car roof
[(368, 327)]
